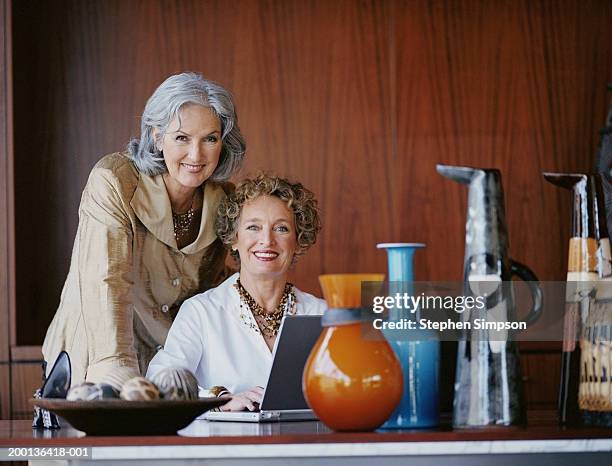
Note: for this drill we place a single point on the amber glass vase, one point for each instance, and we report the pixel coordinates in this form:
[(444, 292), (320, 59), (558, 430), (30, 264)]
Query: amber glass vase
[(352, 379)]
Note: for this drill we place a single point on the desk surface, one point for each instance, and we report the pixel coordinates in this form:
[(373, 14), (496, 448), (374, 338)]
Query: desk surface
[(240, 441), (541, 427)]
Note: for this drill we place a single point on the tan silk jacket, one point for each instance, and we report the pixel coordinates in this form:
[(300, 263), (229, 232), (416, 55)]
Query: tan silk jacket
[(127, 278)]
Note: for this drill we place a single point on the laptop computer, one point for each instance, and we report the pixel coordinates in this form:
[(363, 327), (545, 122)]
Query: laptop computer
[(283, 399)]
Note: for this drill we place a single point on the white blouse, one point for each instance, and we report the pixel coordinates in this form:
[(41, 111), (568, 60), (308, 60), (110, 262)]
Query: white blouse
[(211, 339)]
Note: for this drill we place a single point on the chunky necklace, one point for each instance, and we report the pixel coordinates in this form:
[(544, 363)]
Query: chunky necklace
[(182, 222), (266, 323)]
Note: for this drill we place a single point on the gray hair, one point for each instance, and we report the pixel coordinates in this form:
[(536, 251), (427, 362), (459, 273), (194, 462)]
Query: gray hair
[(164, 105)]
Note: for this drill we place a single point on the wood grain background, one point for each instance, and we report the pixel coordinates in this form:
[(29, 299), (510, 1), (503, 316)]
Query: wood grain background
[(7, 290), (357, 99)]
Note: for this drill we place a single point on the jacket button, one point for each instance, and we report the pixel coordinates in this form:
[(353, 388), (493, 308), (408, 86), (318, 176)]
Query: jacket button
[(165, 308), (176, 282)]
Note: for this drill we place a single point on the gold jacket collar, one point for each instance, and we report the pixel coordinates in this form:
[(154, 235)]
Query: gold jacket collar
[(151, 205)]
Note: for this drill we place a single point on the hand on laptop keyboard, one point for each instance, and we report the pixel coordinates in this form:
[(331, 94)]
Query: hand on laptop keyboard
[(255, 409), (246, 401)]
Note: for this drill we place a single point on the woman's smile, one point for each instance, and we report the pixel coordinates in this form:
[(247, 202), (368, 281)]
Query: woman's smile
[(266, 255), (191, 168)]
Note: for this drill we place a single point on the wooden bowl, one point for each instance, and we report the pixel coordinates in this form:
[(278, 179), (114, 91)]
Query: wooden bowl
[(122, 417)]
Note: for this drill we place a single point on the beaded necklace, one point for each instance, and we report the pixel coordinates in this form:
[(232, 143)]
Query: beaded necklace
[(266, 323), (184, 221)]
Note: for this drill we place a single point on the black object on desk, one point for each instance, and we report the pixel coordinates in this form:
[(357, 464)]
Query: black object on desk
[(56, 385)]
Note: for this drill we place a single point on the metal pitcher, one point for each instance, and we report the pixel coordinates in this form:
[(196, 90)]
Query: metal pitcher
[(488, 384)]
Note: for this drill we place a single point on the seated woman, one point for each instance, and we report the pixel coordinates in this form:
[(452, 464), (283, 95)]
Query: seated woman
[(225, 336)]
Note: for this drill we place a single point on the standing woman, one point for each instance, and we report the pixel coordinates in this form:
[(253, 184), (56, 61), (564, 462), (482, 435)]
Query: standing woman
[(146, 238)]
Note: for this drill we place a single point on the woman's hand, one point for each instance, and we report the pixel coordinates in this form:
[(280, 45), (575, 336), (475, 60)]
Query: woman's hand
[(250, 400)]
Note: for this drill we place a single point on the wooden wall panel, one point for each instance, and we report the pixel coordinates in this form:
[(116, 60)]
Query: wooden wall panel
[(26, 373), (65, 109), (514, 85), (358, 99), (7, 268), (25, 380), (5, 391), (541, 375), (310, 80)]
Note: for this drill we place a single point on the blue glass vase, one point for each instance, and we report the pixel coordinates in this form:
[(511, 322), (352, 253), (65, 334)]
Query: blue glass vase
[(417, 350)]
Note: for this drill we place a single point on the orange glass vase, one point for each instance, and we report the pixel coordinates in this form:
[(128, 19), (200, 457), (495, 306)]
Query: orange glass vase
[(351, 383)]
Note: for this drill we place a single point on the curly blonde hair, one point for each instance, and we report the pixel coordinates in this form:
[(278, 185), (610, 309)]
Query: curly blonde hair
[(298, 198)]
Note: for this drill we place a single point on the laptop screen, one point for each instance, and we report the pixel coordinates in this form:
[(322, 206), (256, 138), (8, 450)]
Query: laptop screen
[(297, 337)]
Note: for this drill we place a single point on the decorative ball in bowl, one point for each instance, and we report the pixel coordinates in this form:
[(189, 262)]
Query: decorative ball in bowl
[(126, 417)]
